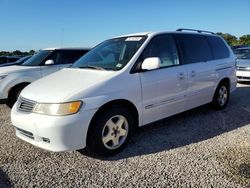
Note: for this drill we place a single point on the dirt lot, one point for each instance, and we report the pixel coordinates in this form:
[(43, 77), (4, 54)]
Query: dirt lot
[(198, 148)]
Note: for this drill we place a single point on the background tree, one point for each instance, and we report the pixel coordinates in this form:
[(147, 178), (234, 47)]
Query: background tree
[(245, 40), (4, 53), (31, 52), (17, 52), (231, 39)]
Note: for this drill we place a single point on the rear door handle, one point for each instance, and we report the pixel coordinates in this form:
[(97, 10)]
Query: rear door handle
[(193, 74), (181, 76)]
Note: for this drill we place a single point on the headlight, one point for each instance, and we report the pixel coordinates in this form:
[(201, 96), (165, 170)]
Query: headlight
[(60, 109), (2, 77)]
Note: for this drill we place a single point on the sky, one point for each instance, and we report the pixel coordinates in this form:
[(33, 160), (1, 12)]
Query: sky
[(37, 24)]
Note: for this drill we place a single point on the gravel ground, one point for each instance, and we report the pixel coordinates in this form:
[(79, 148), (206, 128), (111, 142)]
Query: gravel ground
[(198, 148)]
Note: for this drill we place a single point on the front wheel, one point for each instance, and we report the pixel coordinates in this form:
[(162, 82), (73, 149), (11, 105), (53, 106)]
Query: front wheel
[(110, 131), (221, 96)]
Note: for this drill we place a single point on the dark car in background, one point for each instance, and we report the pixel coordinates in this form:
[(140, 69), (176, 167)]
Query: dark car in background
[(239, 46), (18, 62), (8, 59)]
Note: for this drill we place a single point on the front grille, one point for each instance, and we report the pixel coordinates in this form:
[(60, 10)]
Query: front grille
[(243, 77), (25, 133), (25, 105), (243, 68)]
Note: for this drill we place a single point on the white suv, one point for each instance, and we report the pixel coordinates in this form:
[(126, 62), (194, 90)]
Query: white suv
[(124, 83), (14, 78)]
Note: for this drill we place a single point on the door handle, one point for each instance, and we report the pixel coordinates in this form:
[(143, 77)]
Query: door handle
[(181, 76), (193, 74)]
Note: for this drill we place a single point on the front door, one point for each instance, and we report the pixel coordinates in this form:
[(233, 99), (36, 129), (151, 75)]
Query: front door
[(164, 89)]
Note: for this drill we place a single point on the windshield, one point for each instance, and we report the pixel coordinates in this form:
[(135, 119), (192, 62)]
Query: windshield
[(242, 53), (39, 57), (22, 59), (112, 54)]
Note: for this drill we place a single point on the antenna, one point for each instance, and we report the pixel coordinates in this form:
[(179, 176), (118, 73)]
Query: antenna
[(62, 37)]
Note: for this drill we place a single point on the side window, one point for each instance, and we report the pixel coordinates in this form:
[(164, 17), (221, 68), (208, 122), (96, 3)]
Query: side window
[(219, 49), (163, 47), (70, 56), (55, 56), (12, 59), (3, 59), (194, 48)]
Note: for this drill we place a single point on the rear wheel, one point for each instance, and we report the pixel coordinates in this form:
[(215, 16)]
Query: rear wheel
[(110, 131), (221, 95)]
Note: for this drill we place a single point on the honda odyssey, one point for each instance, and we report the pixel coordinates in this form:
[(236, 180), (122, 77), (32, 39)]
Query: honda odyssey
[(124, 83)]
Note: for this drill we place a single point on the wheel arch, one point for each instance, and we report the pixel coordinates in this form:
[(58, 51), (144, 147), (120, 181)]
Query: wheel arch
[(123, 103), (118, 102), (21, 84), (225, 80)]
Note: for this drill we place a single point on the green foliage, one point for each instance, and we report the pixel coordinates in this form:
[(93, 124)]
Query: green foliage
[(234, 41), (16, 52), (231, 39), (245, 40), (31, 52)]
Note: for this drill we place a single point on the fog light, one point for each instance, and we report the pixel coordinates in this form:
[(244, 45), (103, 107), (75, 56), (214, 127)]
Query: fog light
[(46, 140)]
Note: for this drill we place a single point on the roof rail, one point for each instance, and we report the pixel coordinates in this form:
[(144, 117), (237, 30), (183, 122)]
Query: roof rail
[(199, 31)]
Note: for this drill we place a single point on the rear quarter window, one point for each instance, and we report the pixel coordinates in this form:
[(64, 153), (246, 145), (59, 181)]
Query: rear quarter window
[(218, 47), (194, 48)]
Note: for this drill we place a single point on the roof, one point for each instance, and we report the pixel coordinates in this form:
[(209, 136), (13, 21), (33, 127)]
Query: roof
[(169, 32), (67, 48), (134, 34)]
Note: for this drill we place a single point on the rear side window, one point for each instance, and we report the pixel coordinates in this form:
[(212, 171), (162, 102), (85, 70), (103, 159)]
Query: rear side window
[(194, 48), (3, 59), (70, 56), (219, 49), (12, 59)]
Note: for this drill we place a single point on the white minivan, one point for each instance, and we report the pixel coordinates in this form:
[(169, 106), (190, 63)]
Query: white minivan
[(124, 83)]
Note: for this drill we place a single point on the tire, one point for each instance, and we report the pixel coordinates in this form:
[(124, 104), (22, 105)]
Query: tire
[(110, 131), (221, 96), (13, 95)]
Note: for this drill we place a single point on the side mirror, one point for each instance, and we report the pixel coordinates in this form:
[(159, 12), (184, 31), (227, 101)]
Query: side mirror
[(151, 63), (49, 62)]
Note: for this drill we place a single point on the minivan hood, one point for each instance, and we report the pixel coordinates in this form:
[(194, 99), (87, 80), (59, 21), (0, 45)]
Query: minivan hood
[(15, 68), (55, 87), (243, 62)]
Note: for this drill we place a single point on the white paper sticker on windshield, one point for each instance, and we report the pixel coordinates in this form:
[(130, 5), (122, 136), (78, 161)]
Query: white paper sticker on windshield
[(133, 39), (119, 65)]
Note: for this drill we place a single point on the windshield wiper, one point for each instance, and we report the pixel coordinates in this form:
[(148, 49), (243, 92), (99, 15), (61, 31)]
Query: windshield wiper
[(91, 67)]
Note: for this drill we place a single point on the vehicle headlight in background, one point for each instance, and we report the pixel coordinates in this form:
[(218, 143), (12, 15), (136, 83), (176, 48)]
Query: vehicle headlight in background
[(61, 109), (2, 77)]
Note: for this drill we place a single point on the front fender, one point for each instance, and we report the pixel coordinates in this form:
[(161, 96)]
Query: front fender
[(96, 102), (10, 82)]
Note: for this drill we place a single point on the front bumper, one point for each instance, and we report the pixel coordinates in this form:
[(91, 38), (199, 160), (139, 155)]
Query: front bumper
[(243, 75), (53, 133)]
